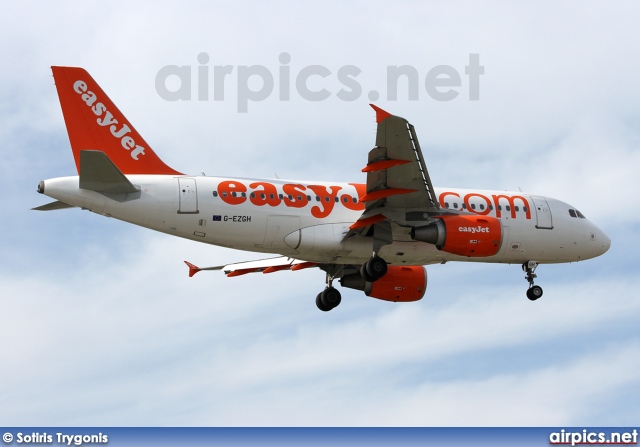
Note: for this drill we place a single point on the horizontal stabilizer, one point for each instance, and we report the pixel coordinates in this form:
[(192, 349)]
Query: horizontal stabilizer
[(57, 205), (99, 174), (193, 269)]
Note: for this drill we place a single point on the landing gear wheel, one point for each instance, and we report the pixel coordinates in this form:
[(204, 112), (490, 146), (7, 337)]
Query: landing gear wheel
[(320, 304), (534, 293), (376, 267), (330, 298), (363, 272)]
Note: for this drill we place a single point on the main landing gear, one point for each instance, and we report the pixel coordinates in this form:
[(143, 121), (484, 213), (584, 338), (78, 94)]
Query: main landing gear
[(372, 270), (329, 298), (534, 292)]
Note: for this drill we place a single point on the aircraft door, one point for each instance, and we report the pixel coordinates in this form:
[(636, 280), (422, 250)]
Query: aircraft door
[(543, 213), (188, 195)]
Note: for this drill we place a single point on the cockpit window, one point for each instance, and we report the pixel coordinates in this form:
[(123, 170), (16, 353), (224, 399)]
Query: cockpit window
[(576, 213)]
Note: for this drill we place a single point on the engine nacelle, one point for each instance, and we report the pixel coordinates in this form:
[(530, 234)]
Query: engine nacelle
[(400, 283), (473, 236)]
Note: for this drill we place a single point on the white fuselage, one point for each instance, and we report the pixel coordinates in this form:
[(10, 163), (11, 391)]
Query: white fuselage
[(308, 220)]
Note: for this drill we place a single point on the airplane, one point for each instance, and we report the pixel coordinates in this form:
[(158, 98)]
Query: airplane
[(375, 237)]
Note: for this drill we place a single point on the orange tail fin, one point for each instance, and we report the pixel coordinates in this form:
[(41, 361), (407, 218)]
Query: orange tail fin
[(95, 123)]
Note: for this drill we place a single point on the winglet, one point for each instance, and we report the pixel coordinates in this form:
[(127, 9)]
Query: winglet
[(381, 115), (193, 269)]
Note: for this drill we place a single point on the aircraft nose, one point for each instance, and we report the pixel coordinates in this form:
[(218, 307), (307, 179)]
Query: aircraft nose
[(602, 240), (605, 241)]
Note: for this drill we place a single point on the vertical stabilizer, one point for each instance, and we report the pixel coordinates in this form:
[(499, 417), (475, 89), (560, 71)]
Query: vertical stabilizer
[(95, 123)]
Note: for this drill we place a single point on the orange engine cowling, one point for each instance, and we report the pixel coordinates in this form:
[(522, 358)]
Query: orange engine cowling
[(473, 236), (400, 283)]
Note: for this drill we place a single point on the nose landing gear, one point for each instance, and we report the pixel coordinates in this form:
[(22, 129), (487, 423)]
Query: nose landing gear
[(534, 291)]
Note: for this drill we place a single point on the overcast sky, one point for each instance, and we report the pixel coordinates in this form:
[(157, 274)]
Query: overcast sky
[(100, 324)]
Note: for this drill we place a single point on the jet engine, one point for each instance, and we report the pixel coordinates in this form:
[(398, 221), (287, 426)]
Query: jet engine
[(400, 283), (472, 236)]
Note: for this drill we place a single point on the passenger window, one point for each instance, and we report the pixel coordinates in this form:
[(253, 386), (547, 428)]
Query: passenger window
[(355, 200), (215, 193), (253, 195), (224, 194), (280, 196), (455, 205), (345, 199), (233, 194), (473, 206), (524, 208), (290, 197), (464, 206), (482, 206), (446, 204), (491, 207), (244, 194), (299, 198), (572, 213), (262, 196), (517, 208), (337, 200), (309, 198), (500, 207), (317, 198), (508, 208), (327, 199)]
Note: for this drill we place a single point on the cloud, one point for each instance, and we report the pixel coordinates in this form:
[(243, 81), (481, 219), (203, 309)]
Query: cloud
[(139, 343)]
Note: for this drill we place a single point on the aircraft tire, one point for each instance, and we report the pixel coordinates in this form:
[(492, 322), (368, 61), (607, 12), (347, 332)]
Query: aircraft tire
[(534, 293), (320, 304), (365, 274), (376, 267), (330, 298)]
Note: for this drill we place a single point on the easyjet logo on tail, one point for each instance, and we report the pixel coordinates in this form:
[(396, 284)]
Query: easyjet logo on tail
[(105, 118)]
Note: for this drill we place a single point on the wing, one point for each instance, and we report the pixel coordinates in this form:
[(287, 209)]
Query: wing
[(264, 265), (398, 183)]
